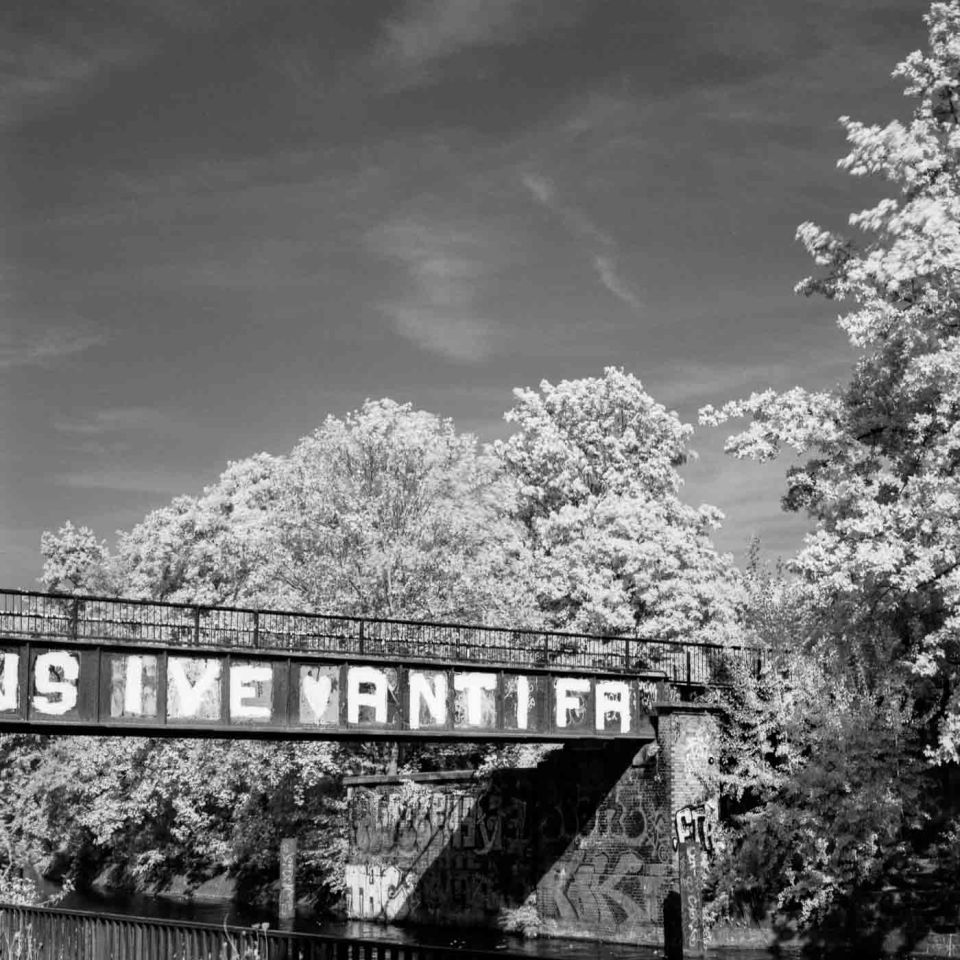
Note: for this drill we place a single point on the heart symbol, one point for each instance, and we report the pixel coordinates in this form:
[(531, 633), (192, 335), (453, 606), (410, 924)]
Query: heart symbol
[(315, 693)]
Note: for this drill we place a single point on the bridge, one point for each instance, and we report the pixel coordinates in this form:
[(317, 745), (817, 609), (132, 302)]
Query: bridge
[(591, 835), (86, 664)]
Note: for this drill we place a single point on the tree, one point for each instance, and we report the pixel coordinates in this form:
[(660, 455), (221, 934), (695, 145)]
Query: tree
[(74, 560), (614, 549), (575, 521), (881, 570), (386, 512), (391, 512)]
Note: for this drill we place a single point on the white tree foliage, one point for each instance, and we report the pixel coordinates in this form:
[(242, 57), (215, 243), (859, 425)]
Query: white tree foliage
[(881, 481), (614, 549)]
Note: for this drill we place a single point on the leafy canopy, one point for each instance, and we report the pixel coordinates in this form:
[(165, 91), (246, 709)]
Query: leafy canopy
[(613, 547), (881, 479), (840, 751)]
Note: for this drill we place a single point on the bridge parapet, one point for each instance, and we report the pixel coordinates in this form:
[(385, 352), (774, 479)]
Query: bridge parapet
[(32, 615)]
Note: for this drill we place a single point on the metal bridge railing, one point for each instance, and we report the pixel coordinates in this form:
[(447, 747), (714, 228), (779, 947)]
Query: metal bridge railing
[(45, 933), (50, 616)]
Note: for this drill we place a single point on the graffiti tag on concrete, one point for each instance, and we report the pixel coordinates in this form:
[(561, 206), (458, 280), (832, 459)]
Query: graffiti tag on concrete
[(696, 824)]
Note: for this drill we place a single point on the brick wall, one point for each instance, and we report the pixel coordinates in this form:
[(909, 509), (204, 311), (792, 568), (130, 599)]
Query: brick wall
[(586, 838)]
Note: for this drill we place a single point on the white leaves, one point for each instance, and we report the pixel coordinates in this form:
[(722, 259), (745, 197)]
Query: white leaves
[(613, 549), (881, 481), (583, 437)]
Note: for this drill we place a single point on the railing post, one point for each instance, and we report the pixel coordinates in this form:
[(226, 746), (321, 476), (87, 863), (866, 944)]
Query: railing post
[(688, 665), (196, 625), (546, 648), (362, 622), (74, 618), (256, 628), (626, 653)]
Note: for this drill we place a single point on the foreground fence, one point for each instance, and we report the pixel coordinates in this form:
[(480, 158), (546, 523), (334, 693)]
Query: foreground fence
[(47, 933), (45, 616)]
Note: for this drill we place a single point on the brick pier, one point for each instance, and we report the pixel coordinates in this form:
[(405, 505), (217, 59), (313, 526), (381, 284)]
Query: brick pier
[(586, 840)]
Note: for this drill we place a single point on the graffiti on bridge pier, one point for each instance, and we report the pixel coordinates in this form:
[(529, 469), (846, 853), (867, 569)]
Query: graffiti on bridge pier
[(405, 826), (428, 851), (592, 855), (696, 824)]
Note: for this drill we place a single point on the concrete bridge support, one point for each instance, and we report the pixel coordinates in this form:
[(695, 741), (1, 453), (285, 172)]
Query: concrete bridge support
[(584, 844)]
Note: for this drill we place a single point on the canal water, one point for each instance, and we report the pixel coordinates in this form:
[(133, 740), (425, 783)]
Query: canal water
[(218, 912)]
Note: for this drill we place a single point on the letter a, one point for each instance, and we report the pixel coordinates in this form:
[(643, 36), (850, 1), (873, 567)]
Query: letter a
[(613, 696), (366, 676)]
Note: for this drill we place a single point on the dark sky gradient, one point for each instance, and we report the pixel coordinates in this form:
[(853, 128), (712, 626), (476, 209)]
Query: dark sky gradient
[(225, 220)]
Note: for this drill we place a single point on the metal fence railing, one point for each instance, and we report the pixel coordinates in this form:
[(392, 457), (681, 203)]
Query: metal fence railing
[(48, 933), (49, 616)]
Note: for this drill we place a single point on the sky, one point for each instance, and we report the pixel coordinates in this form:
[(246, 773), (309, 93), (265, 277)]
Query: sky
[(224, 221)]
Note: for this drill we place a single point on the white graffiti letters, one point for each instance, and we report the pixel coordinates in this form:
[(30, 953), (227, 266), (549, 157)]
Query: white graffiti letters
[(153, 686), (696, 824), (247, 697), (613, 696), (55, 682), (358, 677), (9, 681), (194, 688), (429, 692), (570, 694), (474, 685)]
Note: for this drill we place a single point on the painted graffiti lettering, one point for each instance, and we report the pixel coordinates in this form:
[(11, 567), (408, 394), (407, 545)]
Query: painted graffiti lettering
[(55, 682), (251, 688), (193, 688), (691, 897), (214, 688), (523, 703), (613, 700), (477, 689), (9, 681), (570, 694), (696, 824), (428, 699), (133, 686), (359, 694)]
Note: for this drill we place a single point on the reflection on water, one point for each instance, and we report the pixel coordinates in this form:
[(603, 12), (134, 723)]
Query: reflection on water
[(218, 912)]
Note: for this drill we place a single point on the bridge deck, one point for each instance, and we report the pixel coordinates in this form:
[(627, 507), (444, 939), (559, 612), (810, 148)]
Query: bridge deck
[(119, 666), (31, 615)]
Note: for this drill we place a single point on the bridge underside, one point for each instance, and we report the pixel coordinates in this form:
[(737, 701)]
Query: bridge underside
[(108, 689)]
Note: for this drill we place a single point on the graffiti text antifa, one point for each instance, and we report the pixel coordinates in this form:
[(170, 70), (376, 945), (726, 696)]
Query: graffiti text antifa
[(44, 686)]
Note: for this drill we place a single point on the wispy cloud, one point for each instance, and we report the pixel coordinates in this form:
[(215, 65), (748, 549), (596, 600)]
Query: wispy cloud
[(606, 268), (112, 420), (545, 193), (446, 268), (604, 255), (43, 72), (133, 481), (43, 348), (428, 31)]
